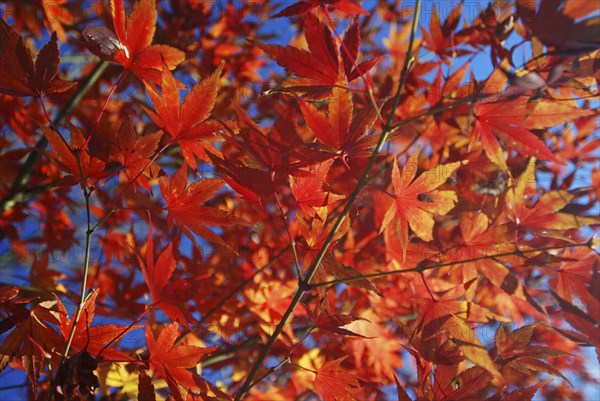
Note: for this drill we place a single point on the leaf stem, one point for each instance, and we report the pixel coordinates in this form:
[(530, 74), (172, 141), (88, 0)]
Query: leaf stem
[(50, 122), (305, 284), (108, 97)]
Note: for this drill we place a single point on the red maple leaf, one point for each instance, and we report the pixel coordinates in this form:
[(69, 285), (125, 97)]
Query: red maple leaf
[(166, 296), (130, 44), (172, 363), (342, 133), (82, 166), (187, 122), (28, 344), (133, 151), (335, 383), (319, 68), (185, 206), (20, 76), (93, 339)]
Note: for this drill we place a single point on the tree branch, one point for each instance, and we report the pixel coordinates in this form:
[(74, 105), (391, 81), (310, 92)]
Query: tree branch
[(352, 198)]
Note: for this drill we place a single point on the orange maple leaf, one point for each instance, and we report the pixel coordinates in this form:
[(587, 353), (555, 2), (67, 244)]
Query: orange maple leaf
[(409, 209), (544, 214), (308, 188), (512, 121), (439, 38)]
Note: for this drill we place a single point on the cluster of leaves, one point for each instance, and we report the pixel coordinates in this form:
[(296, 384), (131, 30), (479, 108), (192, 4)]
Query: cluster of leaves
[(355, 223)]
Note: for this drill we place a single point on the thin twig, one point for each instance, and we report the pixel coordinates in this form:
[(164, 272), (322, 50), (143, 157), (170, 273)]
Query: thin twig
[(108, 97), (420, 269)]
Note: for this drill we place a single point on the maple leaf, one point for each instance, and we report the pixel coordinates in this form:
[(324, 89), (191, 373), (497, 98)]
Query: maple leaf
[(319, 68), (83, 166), (566, 25), (316, 234), (512, 121), (130, 44), (266, 157), (480, 240), (171, 362), (544, 214), (20, 76), (335, 383), (58, 14), (268, 300), (340, 271), (132, 151), (517, 352), (31, 340), (402, 395), (308, 189), (92, 339), (332, 323), (465, 339), (166, 296), (185, 206), (470, 382), (525, 394), (586, 323), (146, 390), (76, 373), (376, 349), (450, 304), (187, 122), (574, 275), (341, 133), (444, 336), (408, 208), (440, 37), (303, 7)]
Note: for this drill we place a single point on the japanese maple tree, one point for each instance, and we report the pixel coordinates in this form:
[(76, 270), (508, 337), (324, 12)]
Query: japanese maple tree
[(382, 201)]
